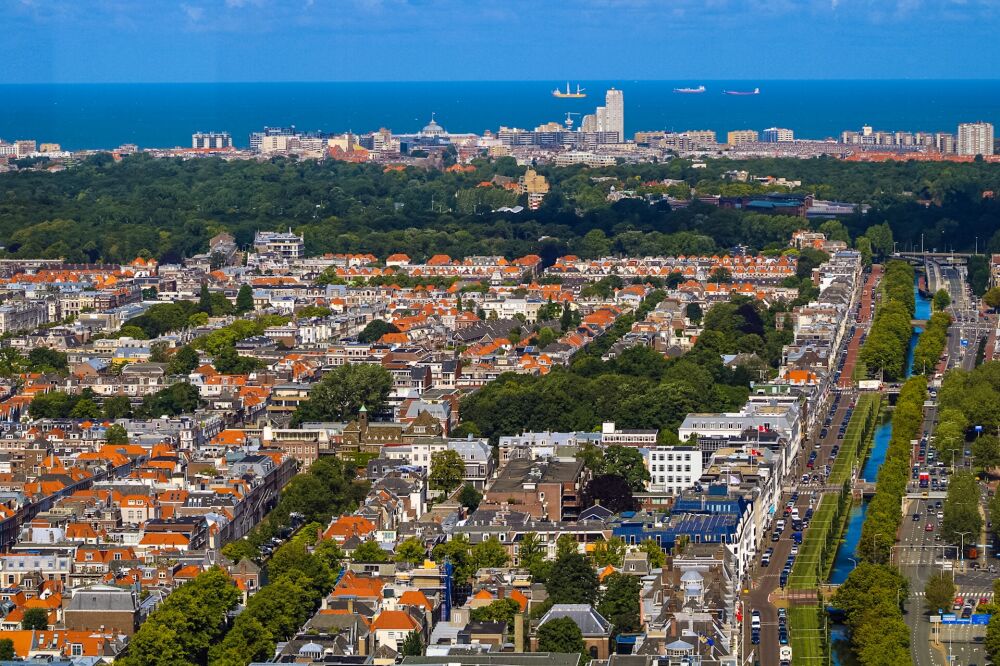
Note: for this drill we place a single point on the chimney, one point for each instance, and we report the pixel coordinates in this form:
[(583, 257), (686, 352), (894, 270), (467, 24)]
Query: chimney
[(350, 604), (519, 632)]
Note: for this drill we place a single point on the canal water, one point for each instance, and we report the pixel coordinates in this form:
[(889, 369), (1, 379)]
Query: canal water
[(843, 563)]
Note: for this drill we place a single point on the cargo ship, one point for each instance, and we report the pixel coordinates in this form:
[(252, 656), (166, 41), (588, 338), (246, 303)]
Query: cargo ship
[(690, 91), (570, 95), (755, 91)]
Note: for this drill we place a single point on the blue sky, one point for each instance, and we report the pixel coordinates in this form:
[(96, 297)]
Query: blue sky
[(419, 40)]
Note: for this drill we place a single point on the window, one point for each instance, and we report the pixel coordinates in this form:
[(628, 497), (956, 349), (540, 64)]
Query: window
[(76, 650)]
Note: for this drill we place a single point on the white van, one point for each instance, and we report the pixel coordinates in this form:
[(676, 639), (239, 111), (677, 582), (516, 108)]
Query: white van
[(755, 620)]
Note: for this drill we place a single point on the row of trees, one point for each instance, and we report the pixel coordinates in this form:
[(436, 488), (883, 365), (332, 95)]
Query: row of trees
[(878, 533), (931, 344), (185, 627), (870, 600), (888, 339), (962, 522), (300, 574), (179, 398), (326, 489)]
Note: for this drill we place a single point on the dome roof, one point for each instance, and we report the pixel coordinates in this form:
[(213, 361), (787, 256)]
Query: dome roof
[(432, 128)]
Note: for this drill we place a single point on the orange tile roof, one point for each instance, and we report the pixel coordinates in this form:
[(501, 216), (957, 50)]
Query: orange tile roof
[(395, 620)]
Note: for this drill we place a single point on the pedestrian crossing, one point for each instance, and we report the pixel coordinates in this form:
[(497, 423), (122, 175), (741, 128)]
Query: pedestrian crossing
[(971, 594)]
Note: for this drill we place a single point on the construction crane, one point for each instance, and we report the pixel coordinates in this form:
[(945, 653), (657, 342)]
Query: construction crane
[(569, 119)]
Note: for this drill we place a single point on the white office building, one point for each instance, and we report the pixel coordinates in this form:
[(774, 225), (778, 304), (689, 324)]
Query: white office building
[(673, 469), (975, 139)]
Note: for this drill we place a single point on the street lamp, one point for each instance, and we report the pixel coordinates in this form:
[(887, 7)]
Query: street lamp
[(961, 552), (855, 562)]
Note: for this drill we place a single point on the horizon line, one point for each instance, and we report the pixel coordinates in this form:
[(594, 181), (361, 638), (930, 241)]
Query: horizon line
[(539, 80)]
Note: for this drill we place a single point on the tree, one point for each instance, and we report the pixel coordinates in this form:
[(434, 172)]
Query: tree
[(248, 641), (530, 552), (880, 236), (117, 407), (627, 462), (184, 361), (132, 332), (501, 610), (344, 391), (35, 618), (116, 434), (375, 330), (205, 300), (560, 635), (609, 552), (85, 408), (7, 650), (938, 592), (470, 497), (720, 275), (610, 491), (244, 299), (657, 558), (941, 300), (43, 359), (369, 552), (447, 470), (179, 398), (566, 544), (620, 602), (572, 581), (229, 362), (488, 554), (411, 550), (995, 521), (961, 510), (240, 549), (992, 643), (986, 451), (992, 297), (694, 313), (412, 646)]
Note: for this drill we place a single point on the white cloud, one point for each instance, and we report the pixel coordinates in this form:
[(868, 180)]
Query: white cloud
[(194, 13)]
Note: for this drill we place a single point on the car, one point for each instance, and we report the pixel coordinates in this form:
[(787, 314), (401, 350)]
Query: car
[(983, 601), (783, 637), (755, 637), (929, 527), (959, 602), (966, 612), (775, 536), (916, 517)]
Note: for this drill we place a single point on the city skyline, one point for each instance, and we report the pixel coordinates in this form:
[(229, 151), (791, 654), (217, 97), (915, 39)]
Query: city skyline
[(410, 40)]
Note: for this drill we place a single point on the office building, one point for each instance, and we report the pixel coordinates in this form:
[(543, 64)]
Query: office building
[(975, 139), (777, 135), (216, 140), (741, 136), (257, 138)]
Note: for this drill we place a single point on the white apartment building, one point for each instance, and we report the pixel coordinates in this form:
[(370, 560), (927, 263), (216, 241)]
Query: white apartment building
[(975, 139), (777, 135), (673, 469)]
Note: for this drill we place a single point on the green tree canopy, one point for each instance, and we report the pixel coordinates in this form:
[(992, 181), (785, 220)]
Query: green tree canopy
[(342, 392), (560, 635)]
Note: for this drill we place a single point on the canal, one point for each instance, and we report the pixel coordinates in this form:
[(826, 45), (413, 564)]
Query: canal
[(846, 554)]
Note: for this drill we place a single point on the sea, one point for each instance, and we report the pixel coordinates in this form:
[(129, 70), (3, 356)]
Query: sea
[(94, 116)]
